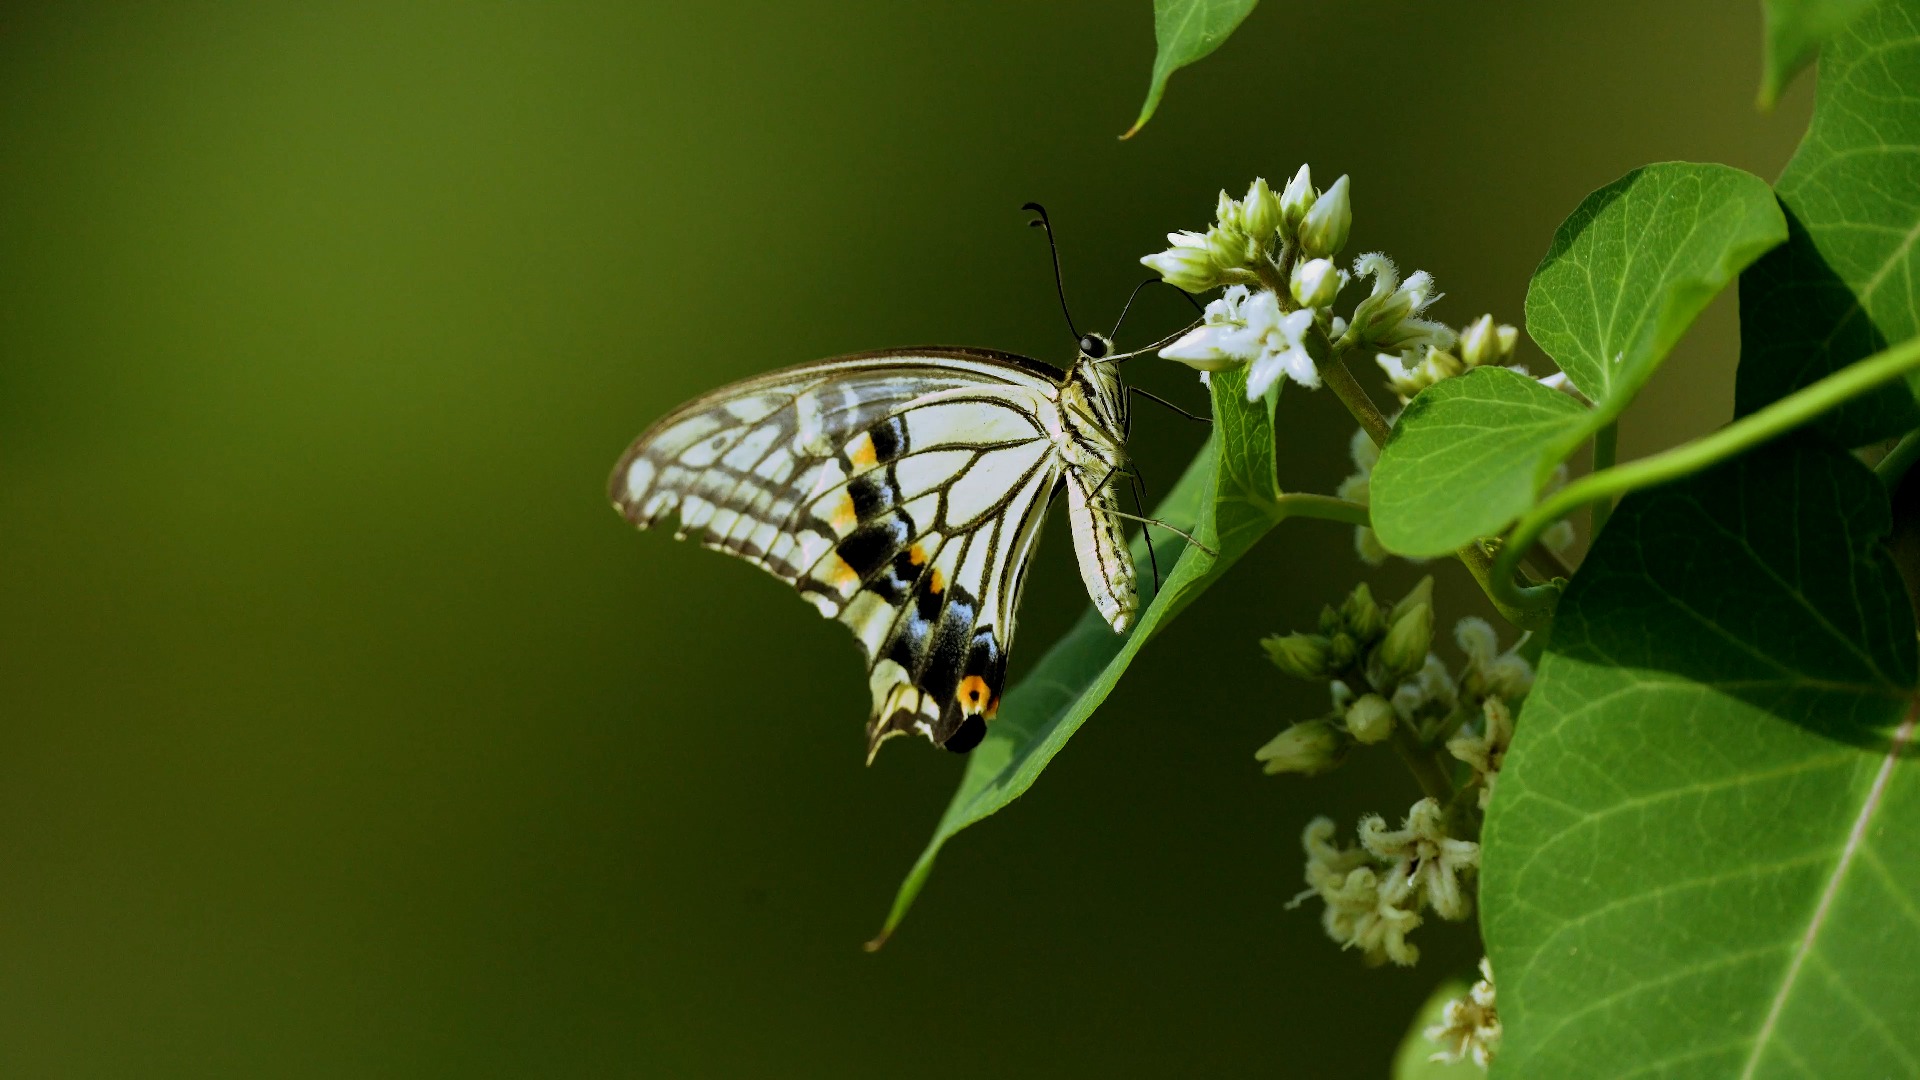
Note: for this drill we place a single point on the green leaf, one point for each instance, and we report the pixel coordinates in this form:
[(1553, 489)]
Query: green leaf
[(1847, 282), (1414, 1059), (1703, 853), (1795, 31), (1468, 456), (1627, 273), (1634, 265), (1185, 31), (1228, 499)]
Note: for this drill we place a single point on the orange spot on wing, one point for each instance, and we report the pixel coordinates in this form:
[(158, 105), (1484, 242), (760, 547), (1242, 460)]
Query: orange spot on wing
[(917, 555), (860, 452), (844, 515), (974, 696), (840, 575), (937, 581)]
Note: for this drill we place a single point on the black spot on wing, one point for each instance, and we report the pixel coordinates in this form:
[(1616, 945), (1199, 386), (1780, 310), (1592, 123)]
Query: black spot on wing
[(889, 439), (967, 735), (947, 656), (873, 493), (867, 548)]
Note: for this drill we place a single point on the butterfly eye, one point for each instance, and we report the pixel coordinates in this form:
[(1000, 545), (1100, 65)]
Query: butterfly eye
[(1093, 345)]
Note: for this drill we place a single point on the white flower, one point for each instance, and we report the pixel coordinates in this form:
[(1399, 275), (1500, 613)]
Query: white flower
[(1470, 1025), (1490, 671), (1250, 328), (1387, 319)]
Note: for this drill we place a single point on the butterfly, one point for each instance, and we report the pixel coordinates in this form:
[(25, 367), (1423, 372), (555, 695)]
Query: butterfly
[(902, 492)]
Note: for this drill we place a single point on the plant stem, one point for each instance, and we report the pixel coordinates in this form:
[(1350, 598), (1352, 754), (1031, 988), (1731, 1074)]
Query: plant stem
[(1899, 459), (1339, 378), (1743, 434), (1433, 780), (1324, 507), (1606, 448)]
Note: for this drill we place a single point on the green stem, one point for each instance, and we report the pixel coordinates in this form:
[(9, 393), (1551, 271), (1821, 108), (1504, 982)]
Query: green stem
[(1324, 507), (1433, 780), (1339, 378), (1743, 434), (1606, 448), (1899, 459)]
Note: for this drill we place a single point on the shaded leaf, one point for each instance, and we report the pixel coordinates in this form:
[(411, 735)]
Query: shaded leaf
[(1847, 282), (1468, 456), (1633, 266), (1185, 31), (1227, 499), (1795, 31), (1703, 853)]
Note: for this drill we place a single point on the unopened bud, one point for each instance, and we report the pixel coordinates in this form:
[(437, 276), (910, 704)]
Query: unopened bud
[(1330, 622), (1297, 199), (1363, 618), (1421, 593), (1483, 342), (1404, 650), (1370, 720), (1260, 213), (1342, 651), (1308, 748), (1324, 230), (1186, 264), (1303, 656), (1315, 283), (1228, 247)]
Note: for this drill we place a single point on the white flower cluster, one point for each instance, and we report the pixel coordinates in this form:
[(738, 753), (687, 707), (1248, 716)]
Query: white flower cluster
[(1469, 1028), (1253, 237), (1249, 328), (1375, 893)]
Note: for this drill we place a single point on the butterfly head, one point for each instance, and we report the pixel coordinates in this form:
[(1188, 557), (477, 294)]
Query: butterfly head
[(1095, 346)]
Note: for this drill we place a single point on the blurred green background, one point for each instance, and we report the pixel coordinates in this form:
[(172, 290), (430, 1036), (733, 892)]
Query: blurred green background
[(348, 733)]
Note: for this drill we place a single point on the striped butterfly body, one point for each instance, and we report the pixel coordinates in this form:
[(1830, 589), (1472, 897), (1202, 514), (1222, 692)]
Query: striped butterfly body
[(902, 492)]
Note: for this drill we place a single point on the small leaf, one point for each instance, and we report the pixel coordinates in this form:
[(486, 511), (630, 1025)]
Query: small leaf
[(1795, 31), (1414, 1059), (1847, 282), (1634, 265), (1468, 456), (1227, 498), (1185, 31), (1703, 852)]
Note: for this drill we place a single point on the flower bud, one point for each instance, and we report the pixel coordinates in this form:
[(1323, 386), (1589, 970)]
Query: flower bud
[(1308, 748), (1421, 593), (1404, 650), (1304, 656), (1363, 618), (1324, 230), (1260, 213), (1186, 264), (1330, 622), (1370, 720), (1226, 211), (1228, 247), (1297, 199), (1316, 283), (1342, 651), (1484, 342)]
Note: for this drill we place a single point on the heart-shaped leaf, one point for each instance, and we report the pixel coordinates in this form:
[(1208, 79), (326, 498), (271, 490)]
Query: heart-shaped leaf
[(1703, 853), (1847, 282)]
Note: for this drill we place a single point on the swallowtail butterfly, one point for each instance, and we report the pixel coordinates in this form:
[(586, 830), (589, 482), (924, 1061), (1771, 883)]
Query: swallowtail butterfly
[(902, 492)]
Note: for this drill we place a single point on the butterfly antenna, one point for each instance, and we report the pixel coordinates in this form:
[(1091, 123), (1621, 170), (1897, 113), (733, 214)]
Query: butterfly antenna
[(1136, 292), (1059, 283)]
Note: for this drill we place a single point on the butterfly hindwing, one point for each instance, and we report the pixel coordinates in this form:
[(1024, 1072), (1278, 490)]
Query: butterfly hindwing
[(902, 493)]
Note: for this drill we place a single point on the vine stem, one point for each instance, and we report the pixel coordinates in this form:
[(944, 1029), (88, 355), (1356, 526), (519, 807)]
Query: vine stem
[(1743, 434), (1606, 450), (1339, 378), (1899, 459)]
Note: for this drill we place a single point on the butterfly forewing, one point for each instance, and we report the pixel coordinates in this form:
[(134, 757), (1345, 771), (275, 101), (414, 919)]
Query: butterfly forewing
[(901, 492)]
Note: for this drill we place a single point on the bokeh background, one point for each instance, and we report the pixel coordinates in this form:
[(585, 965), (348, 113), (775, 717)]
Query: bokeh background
[(348, 733)]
